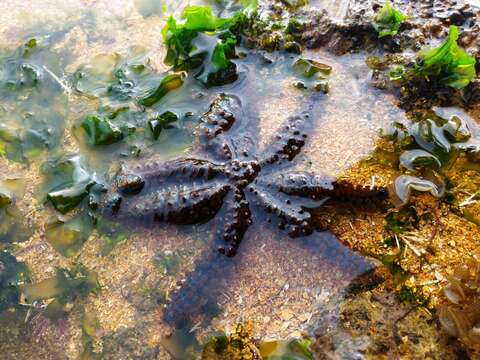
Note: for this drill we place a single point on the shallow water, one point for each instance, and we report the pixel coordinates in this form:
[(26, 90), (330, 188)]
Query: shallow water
[(301, 277), (286, 286)]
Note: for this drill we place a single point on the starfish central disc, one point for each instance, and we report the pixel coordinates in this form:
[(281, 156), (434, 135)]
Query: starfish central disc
[(242, 173)]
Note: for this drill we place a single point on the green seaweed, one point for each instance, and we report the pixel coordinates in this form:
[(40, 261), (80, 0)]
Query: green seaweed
[(162, 122), (313, 74), (403, 220), (90, 328), (112, 235), (449, 63), (129, 90), (34, 97), (392, 264), (203, 42), (295, 349), (169, 83), (413, 296), (446, 64), (64, 288), (67, 237), (387, 20), (101, 131), (123, 80), (12, 226), (13, 274), (240, 344), (67, 182)]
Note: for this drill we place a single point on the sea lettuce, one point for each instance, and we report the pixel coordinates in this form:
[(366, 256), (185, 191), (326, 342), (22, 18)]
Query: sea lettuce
[(162, 122), (448, 62), (217, 69), (387, 20), (295, 349), (123, 80), (101, 131), (68, 236), (201, 18), (12, 275), (64, 288), (204, 43), (33, 109), (67, 182)]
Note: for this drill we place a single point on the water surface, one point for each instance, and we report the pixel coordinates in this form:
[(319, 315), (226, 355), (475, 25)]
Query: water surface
[(283, 284)]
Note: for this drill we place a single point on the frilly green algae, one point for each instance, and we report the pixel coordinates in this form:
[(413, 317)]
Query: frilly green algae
[(447, 64), (76, 193), (204, 44), (101, 131), (387, 20), (162, 122)]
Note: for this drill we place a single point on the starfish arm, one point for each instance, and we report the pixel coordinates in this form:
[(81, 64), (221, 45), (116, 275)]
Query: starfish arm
[(216, 122), (292, 211), (238, 219), (190, 302), (345, 190), (306, 184), (155, 173), (288, 143), (179, 204), (227, 131)]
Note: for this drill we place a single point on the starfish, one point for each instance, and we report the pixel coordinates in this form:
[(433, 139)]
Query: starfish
[(233, 176), (192, 190)]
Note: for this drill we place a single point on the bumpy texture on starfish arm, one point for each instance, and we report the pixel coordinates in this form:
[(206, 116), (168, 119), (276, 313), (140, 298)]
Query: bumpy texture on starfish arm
[(315, 186), (237, 220), (289, 142)]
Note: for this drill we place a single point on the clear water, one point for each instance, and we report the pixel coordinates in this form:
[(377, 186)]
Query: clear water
[(287, 286)]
